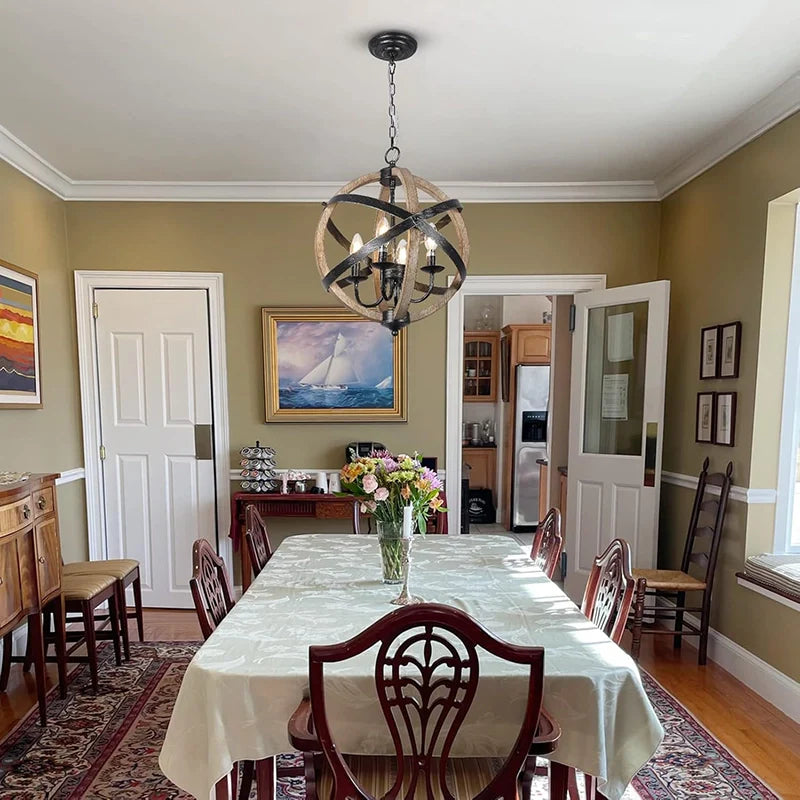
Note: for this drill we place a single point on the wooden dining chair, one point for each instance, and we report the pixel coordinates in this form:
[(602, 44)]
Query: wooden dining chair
[(434, 646), (700, 553), (606, 602), (256, 540), (548, 543)]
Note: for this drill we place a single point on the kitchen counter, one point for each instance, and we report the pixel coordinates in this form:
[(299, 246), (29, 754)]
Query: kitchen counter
[(478, 446)]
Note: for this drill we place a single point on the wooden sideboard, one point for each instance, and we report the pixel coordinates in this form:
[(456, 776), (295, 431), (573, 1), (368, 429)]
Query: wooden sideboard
[(30, 573)]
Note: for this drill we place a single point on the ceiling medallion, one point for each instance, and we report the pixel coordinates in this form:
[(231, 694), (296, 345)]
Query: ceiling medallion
[(405, 288)]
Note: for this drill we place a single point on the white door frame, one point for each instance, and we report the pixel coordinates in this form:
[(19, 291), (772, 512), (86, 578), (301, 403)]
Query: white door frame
[(86, 281), (487, 285)]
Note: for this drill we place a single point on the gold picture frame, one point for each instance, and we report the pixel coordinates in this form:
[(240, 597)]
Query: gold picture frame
[(331, 365)]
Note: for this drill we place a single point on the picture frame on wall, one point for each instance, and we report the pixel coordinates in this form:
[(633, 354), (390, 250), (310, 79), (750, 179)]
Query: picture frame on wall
[(725, 419), (730, 341), (709, 352), (331, 365), (20, 371), (704, 420)]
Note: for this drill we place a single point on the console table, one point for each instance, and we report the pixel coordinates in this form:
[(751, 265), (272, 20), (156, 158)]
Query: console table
[(30, 574), (313, 506)]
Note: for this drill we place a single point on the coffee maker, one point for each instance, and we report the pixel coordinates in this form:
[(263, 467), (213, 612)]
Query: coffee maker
[(361, 449)]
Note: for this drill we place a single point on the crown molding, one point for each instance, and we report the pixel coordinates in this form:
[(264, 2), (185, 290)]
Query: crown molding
[(759, 118)]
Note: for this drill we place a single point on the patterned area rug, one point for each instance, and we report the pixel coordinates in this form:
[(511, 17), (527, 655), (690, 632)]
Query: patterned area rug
[(106, 747)]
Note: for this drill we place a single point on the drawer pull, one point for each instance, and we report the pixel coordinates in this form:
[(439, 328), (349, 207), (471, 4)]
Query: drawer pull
[(42, 502), (26, 511), (41, 560), (1, 581)]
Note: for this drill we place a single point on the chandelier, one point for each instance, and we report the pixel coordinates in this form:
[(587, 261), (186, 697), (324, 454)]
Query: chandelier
[(410, 216)]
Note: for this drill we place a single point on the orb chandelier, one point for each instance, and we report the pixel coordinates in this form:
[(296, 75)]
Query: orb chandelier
[(410, 215)]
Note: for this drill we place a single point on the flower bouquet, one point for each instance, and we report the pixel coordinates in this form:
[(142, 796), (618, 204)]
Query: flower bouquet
[(385, 484)]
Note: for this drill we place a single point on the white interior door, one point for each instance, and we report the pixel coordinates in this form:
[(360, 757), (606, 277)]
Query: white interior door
[(619, 357), (154, 377)]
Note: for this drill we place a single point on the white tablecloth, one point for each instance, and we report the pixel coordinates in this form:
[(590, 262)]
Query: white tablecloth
[(246, 680)]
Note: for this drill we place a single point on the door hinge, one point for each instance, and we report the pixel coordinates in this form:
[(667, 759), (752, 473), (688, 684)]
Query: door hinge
[(95, 310), (572, 318), (102, 452)]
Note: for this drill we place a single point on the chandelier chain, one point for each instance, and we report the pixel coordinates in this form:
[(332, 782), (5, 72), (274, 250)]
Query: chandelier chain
[(392, 154)]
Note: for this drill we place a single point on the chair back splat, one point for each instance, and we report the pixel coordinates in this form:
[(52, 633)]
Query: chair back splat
[(256, 539), (210, 585), (426, 676), (610, 589), (547, 543)]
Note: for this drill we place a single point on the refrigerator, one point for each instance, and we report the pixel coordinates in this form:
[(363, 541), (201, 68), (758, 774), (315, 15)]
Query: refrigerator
[(530, 444)]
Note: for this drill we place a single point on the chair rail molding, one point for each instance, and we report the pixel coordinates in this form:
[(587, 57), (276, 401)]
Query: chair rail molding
[(487, 285), (741, 494), (86, 282), (70, 475)]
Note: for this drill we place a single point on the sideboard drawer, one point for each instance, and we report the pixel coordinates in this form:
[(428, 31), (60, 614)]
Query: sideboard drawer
[(10, 587), (16, 515), (43, 502)]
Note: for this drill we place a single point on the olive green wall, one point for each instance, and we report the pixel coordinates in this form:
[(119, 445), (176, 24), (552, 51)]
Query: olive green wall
[(33, 236), (265, 253), (712, 249)]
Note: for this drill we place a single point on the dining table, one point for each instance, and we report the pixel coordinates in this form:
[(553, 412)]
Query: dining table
[(246, 680)]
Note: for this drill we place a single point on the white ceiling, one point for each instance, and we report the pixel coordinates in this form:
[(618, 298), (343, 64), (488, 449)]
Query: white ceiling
[(499, 91)]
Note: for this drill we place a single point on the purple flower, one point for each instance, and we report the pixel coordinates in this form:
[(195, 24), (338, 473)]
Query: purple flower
[(432, 478), (389, 464), (381, 454)]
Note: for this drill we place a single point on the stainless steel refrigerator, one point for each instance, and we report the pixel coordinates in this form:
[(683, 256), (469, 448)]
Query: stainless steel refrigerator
[(530, 444)]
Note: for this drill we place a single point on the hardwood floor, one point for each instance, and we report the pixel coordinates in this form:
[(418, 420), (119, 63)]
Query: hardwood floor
[(762, 738)]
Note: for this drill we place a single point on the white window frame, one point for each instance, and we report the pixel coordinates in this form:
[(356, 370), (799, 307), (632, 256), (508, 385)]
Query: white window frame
[(790, 416)]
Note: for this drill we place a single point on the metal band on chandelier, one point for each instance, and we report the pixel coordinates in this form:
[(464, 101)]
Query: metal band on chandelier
[(391, 257)]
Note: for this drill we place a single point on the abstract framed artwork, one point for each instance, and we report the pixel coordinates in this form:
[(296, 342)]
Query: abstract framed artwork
[(20, 374), (730, 341), (725, 419), (704, 422), (331, 365), (709, 352)]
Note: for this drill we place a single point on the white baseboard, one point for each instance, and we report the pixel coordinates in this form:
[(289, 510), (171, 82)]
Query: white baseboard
[(773, 685)]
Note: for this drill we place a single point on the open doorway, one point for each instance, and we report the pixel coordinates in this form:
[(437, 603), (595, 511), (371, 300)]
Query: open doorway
[(508, 368)]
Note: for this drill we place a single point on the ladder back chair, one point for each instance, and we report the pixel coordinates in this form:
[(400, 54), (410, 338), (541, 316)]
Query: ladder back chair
[(705, 528), (256, 539), (548, 543), (607, 602), (426, 667)]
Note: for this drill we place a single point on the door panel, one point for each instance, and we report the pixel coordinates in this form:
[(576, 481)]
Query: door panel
[(48, 558), (10, 588), (616, 400), (155, 387)]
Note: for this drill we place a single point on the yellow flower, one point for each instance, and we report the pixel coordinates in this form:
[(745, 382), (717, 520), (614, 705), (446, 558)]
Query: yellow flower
[(423, 485), (405, 492)]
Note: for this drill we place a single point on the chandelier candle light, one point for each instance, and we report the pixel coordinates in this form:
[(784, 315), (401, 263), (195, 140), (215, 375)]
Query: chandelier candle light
[(405, 285)]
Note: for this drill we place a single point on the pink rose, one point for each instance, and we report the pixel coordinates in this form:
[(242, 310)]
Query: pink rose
[(368, 507), (381, 494), (370, 483)]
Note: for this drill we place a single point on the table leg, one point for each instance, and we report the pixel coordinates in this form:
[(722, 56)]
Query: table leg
[(36, 640), (265, 778), (59, 614)]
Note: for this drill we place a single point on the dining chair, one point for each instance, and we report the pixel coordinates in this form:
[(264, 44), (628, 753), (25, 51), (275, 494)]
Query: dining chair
[(435, 647), (256, 539), (548, 543), (705, 526), (125, 572), (606, 602)]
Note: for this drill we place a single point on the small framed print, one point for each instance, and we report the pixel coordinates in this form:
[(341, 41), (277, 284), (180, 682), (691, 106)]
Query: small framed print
[(725, 419), (730, 341), (709, 352), (704, 424)]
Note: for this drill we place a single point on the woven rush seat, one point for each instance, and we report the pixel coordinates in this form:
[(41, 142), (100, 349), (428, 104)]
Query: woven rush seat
[(667, 579), (117, 567), (84, 587)]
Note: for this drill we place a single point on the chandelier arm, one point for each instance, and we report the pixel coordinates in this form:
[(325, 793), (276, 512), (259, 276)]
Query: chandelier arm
[(361, 302), (426, 289)]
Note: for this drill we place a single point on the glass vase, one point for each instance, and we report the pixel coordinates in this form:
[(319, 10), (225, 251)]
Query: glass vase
[(390, 541)]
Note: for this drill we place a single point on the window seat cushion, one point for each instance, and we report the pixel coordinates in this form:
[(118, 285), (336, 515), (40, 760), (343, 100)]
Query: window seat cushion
[(782, 572)]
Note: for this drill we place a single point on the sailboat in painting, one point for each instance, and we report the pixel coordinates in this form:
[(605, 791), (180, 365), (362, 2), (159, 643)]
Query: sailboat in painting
[(337, 372)]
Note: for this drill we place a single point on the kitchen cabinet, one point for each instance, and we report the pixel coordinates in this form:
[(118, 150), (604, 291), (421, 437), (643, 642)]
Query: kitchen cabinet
[(483, 468), (481, 366), (533, 344)]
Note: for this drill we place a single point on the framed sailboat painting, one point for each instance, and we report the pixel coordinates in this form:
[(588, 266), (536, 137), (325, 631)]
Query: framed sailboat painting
[(331, 365)]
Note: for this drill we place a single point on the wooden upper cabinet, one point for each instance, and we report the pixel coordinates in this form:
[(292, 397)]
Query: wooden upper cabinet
[(481, 366), (533, 344)]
